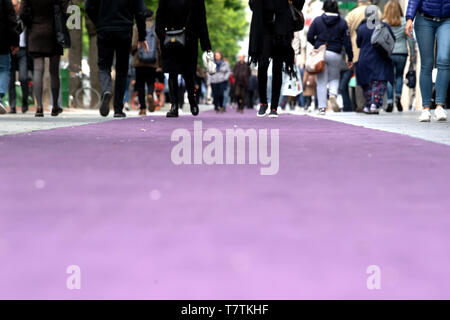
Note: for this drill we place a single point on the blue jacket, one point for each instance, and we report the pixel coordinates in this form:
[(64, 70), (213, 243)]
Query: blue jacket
[(371, 65), (435, 8), (333, 30)]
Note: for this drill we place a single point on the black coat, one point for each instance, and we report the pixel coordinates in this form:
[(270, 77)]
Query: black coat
[(177, 14), (8, 27), (371, 65), (38, 16), (271, 23)]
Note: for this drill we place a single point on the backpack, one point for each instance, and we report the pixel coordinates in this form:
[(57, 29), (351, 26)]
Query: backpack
[(151, 55), (383, 40)]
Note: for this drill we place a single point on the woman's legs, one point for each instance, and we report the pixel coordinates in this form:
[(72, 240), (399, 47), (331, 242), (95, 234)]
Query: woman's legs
[(426, 33), (277, 81), (54, 79), (322, 81), (443, 61), (215, 92), (38, 77), (263, 65), (140, 86)]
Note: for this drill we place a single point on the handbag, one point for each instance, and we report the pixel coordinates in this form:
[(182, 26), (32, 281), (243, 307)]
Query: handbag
[(60, 20), (176, 38), (297, 18), (382, 40), (315, 61), (208, 61)]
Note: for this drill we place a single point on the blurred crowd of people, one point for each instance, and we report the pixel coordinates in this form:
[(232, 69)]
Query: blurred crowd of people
[(156, 60)]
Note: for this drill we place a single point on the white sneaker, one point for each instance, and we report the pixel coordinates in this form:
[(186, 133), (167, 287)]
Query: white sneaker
[(333, 103), (366, 110), (425, 116), (374, 109), (440, 114)]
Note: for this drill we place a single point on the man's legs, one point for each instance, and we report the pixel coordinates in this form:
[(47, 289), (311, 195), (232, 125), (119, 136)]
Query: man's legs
[(12, 84), (5, 67), (122, 48), (23, 77)]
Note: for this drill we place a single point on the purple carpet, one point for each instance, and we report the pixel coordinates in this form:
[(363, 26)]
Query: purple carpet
[(107, 198)]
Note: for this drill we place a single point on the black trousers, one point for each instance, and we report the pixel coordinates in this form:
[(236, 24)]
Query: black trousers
[(112, 43), (174, 88), (19, 62), (277, 80), (145, 77)]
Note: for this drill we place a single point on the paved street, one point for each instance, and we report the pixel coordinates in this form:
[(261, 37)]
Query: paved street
[(106, 196)]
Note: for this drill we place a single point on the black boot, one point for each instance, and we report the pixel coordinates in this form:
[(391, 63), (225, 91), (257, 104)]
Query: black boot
[(194, 105), (12, 111), (56, 111), (398, 104), (390, 107), (173, 112)]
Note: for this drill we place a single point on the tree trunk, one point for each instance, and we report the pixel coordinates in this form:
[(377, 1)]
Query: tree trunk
[(93, 57)]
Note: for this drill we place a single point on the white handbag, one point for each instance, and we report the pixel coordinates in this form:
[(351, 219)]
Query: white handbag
[(208, 62)]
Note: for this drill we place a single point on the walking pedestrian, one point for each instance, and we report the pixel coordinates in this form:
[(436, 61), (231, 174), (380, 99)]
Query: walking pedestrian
[(271, 35), (373, 71), (432, 22), (219, 82), (38, 17), (393, 16), (354, 20), (180, 24), (114, 20), (9, 45), (19, 62), (241, 73), (332, 30), (146, 65)]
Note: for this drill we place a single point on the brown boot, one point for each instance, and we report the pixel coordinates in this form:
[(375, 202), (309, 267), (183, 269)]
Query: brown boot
[(150, 103), (142, 112)]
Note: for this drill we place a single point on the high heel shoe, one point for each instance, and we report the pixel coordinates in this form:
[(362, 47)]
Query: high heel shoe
[(39, 112), (56, 111), (173, 112)]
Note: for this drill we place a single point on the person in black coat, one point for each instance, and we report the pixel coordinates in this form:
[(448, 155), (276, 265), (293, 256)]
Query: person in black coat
[(114, 20), (271, 35), (38, 16), (9, 44), (373, 71), (173, 15)]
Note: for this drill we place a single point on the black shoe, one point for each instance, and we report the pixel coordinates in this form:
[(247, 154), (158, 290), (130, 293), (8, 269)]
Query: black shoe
[(24, 109), (273, 113), (262, 110), (12, 111), (104, 103), (120, 114), (173, 112), (194, 107), (398, 103), (39, 113), (56, 111), (390, 107)]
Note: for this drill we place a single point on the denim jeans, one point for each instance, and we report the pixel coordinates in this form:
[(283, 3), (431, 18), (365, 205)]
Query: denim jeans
[(426, 32), (5, 66), (19, 62), (398, 62)]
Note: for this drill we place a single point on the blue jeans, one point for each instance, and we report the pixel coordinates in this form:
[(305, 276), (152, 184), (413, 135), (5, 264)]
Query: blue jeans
[(5, 67), (426, 32), (398, 63)]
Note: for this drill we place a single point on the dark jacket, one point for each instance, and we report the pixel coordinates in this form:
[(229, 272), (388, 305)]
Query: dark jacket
[(241, 72), (371, 65), (178, 14), (435, 8), (37, 15), (8, 27), (117, 15), (333, 30), (272, 18)]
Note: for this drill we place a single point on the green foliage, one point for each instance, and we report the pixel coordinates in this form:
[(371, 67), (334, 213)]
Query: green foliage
[(227, 25)]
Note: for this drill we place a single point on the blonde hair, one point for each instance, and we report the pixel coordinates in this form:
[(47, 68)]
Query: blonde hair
[(393, 13)]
